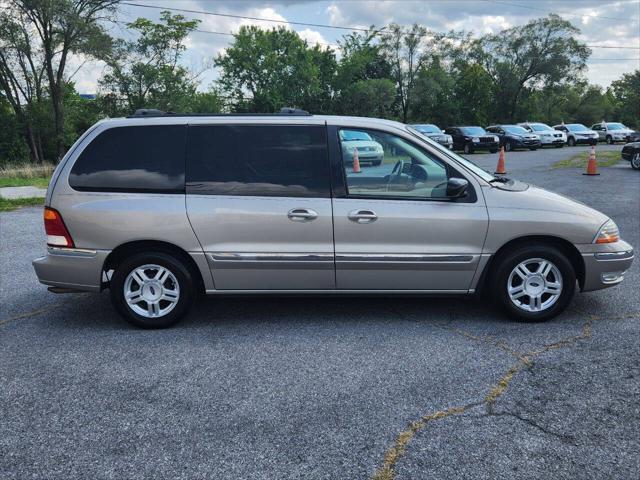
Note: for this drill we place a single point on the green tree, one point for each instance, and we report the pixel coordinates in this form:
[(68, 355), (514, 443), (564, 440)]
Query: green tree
[(58, 28), (145, 72), (626, 95), (404, 50), (13, 149), (541, 53), (369, 98), (264, 70)]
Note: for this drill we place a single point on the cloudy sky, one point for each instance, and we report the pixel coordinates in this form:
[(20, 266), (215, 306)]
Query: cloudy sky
[(603, 23)]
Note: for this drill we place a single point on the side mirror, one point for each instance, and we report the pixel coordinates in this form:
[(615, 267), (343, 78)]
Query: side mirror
[(457, 187)]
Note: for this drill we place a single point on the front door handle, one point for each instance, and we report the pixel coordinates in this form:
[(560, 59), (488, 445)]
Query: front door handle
[(302, 215), (362, 216)]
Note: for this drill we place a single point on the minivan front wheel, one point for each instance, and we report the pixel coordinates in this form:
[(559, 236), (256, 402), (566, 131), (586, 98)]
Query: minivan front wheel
[(152, 290), (534, 283)]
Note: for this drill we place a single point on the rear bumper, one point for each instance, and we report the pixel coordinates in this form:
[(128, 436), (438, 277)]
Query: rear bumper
[(606, 269), (71, 268)]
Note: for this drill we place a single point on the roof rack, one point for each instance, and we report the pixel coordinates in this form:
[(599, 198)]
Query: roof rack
[(152, 112)]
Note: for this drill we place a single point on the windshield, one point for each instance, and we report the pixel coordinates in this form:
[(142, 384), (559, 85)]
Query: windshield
[(576, 127), (353, 135), (473, 130), (514, 129), (427, 128), (540, 127), (486, 176), (615, 126)]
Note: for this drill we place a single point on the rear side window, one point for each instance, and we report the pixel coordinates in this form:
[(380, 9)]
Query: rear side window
[(133, 159), (265, 160)]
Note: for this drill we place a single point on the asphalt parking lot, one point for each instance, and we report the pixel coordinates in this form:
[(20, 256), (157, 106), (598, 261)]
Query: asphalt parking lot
[(331, 388)]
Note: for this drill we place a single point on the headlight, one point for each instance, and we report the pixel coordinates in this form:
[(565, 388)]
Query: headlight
[(608, 233), (495, 139), (475, 139)]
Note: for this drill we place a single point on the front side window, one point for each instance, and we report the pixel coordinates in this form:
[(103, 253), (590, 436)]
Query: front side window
[(390, 166), (473, 131), (133, 159), (258, 160), (515, 129)]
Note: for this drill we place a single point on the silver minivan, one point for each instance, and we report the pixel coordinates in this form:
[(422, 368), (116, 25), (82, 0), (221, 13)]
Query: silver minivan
[(161, 207)]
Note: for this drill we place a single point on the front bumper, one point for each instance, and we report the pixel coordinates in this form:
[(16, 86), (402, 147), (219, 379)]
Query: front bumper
[(71, 268), (553, 141), (528, 144), (603, 269), (485, 146), (587, 140)]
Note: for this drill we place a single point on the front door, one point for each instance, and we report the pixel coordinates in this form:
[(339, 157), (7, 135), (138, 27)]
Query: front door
[(258, 199), (394, 227)]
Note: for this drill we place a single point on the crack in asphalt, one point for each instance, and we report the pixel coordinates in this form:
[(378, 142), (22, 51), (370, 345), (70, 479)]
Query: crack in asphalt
[(568, 439), (525, 360)]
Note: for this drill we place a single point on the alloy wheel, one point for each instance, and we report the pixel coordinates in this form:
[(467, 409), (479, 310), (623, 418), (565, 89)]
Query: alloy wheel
[(534, 285), (635, 161), (151, 291)]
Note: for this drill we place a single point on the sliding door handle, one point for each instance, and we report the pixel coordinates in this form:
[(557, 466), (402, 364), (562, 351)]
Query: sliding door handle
[(302, 215), (362, 216)]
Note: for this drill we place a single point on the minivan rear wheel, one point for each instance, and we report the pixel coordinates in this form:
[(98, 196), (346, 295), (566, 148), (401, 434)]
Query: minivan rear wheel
[(533, 284), (152, 290)]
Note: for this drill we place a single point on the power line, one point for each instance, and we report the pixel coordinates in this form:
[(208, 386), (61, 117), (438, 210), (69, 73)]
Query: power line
[(499, 2), (228, 15)]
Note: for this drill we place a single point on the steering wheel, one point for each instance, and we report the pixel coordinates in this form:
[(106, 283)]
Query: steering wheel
[(399, 166)]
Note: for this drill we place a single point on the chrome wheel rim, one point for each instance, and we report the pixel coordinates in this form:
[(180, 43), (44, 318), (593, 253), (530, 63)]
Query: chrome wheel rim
[(534, 285), (636, 161), (151, 291)]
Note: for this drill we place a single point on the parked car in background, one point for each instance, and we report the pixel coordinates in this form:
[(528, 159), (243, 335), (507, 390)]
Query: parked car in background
[(433, 132), (548, 136), (612, 132), (514, 136), (158, 208), (472, 138), (368, 150), (631, 152), (634, 136), (577, 134)]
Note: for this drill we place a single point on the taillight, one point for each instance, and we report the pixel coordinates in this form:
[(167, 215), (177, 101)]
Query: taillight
[(57, 233)]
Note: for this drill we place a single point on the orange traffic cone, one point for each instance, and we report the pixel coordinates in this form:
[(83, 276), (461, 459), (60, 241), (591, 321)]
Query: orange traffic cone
[(592, 166), (500, 169), (356, 161)]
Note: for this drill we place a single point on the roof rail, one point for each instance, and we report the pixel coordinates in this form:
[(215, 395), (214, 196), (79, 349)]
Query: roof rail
[(152, 112), (293, 111), (149, 112)]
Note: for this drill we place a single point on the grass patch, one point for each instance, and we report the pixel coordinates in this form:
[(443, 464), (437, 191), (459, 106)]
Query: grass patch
[(604, 159), (7, 204), (26, 175)]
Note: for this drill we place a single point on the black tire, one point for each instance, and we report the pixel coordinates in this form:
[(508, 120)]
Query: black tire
[(559, 146), (493, 150), (610, 140), (571, 142), (533, 149), (507, 262), (376, 163), (187, 287), (635, 161), (468, 149), (508, 147)]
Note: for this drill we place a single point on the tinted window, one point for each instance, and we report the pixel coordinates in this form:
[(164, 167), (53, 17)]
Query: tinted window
[(133, 159), (266, 160)]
